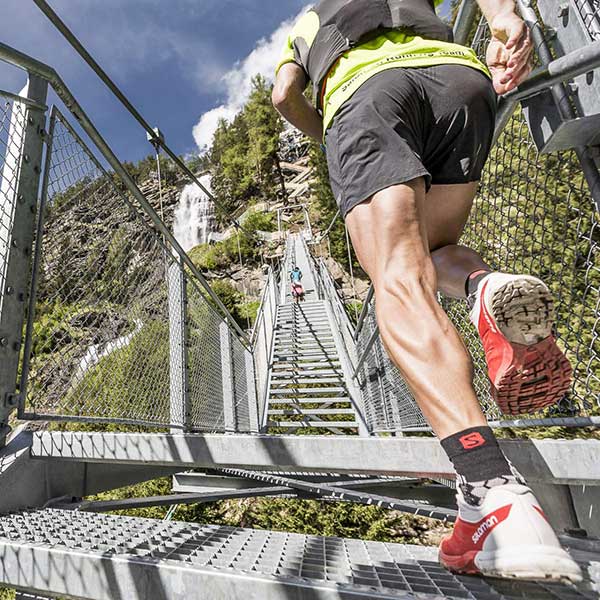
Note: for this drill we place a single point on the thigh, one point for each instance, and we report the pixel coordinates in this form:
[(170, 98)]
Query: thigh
[(446, 211), (389, 228)]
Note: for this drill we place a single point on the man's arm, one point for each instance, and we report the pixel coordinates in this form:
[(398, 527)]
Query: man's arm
[(289, 99), (509, 52)]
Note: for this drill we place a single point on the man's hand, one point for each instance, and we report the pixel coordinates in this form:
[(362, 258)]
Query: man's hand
[(509, 52)]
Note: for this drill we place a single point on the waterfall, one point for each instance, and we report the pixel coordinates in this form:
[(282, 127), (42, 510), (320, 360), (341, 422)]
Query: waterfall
[(194, 216)]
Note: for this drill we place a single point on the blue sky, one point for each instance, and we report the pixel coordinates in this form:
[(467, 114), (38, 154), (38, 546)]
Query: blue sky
[(177, 60)]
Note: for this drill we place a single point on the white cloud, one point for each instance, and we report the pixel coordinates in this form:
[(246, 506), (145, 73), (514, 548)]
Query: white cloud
[(238, 81)]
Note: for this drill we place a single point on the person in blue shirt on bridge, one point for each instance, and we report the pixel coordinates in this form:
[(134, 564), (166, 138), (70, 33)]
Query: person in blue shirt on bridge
[(407, 117), (296, 279)]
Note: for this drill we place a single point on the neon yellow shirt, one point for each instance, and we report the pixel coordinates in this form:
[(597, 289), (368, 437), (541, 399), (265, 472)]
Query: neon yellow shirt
[(388, 51)]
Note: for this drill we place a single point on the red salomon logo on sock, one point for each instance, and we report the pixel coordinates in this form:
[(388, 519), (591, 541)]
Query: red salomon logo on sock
[(471, 440)]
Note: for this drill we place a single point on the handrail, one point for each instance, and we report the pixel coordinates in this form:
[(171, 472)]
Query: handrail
[(260, 312), (323, 235), (368, 347), (364, 311), (154, 139), (23, 61)]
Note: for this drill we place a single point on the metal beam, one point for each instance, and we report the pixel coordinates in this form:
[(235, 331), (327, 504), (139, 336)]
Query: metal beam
[(348, 495), (543, 461), (19, 186), (25, 482), (169, 500)]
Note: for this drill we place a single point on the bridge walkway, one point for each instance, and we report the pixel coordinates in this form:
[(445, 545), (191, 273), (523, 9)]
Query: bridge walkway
[(307, 388)]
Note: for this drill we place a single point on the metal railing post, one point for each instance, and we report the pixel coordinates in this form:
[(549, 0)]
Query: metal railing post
[(20, 184), (464, 21), (252, 393), (178, 344), (229, 411)]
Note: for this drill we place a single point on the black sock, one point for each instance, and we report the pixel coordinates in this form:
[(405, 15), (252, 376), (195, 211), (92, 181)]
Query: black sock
[(473, 280), (479, 462)]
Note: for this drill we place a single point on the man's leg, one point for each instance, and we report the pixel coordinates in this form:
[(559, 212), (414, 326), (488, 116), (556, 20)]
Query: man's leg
[(446, 212), (514, 314), (389, 235)]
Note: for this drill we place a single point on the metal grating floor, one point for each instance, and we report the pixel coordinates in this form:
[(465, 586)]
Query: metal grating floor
[(334, 565)]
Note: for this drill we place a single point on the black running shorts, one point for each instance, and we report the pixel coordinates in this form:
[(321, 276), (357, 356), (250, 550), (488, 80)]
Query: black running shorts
[(432, 122)]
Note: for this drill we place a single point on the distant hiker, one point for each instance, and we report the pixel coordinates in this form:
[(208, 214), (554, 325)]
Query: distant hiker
[(408, 119), (297, 289)]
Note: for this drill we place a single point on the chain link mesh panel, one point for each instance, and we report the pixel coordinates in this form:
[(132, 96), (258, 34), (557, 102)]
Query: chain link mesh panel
[(589, 11), (12, 123), (205, 379), (100, 347), (534, 214), (100, 350)]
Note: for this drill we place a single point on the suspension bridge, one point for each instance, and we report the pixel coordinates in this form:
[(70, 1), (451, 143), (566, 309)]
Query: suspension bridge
[(140, 371)]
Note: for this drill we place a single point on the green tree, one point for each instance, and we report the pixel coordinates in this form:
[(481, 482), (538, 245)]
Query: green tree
[(264, 127)]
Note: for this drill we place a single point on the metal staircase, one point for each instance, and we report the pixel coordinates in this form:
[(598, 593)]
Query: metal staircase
[(114, 376), (307, 384)]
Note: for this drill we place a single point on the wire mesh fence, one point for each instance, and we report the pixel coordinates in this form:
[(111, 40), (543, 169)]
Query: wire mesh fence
[(100, 349), (589, 11)]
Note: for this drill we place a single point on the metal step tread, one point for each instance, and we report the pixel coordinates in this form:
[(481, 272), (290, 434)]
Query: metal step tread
[(305, 380), (284, 345), (311, 411), (312, 400), (284, 366), (303, 332), (312, 332), (309, 423), (122, 555), (326, 353), (304, 391), (293, 373)]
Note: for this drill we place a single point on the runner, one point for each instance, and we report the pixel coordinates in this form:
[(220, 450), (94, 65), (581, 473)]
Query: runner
[(297, 289), (407, 117)]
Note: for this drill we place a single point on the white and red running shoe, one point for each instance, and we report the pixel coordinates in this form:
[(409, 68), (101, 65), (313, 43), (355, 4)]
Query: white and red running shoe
[(514, 316), (507, 536)]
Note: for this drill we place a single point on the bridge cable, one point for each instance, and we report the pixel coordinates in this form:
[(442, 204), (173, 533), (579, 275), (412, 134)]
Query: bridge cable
[(238, 235), (355, 296)]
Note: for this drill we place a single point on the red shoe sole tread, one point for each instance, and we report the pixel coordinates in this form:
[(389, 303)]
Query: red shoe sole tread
[(539, 376)]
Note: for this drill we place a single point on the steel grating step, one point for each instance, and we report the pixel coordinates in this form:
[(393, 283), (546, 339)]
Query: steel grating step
[(303, 391), (303, 332), (311, 411), (301, 372), (302, 424), (279, 346), (299, 355), (324, 363), (312, 400), (107, 557), (296, 381), (294, 333)]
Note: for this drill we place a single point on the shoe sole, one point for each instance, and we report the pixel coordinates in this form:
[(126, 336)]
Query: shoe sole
[(539, 374), (523, 310), (531, 563)]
